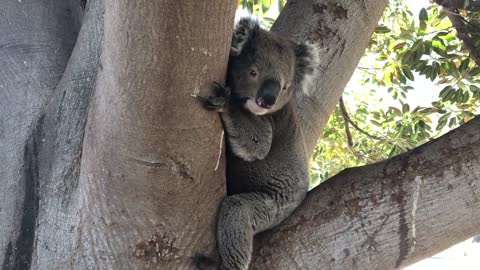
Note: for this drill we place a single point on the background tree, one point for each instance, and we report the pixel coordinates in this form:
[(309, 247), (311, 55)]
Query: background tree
[(108, 162)]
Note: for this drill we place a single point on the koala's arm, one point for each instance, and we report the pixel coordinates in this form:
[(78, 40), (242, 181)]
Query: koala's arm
[(248, 135)]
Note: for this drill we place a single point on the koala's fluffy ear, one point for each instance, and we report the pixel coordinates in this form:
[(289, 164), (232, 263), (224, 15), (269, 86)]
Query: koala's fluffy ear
[(245, 29), (306, 65)]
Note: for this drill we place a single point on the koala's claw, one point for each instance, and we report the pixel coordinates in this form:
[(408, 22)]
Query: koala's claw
[(214, 103), (221, 91)]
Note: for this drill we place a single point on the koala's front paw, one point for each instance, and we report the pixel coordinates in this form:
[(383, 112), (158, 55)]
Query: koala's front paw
[(222, 91), (214, 103), (220, 101)]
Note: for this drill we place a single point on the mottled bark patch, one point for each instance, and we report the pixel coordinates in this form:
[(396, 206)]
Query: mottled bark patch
[(158, 248)]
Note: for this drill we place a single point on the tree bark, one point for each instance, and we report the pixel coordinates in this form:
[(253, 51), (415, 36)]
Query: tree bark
[(36, 40), (462, 34), (459, 4)]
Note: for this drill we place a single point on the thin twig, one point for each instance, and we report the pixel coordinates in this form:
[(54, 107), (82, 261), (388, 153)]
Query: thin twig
[(220, 150), (349, 135), (349, 120)]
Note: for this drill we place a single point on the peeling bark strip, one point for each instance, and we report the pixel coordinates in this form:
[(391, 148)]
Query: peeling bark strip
[(22, 255), (403, 246)]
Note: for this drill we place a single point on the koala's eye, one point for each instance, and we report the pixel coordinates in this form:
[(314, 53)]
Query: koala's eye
[(284, 87), (253, 73)]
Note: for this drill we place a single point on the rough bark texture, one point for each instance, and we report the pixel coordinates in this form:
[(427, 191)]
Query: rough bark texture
[(60, 134), (36, 39), (459, 4), (462, 33), (141, 189)]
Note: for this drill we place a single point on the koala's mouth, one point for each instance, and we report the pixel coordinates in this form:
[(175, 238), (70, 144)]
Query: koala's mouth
[(262, 103), (257, 106)]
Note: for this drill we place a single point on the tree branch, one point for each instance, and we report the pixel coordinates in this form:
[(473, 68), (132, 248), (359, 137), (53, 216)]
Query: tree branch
[(459, 4), (463, 35), (385, 215), (334, 26), (347, 120)]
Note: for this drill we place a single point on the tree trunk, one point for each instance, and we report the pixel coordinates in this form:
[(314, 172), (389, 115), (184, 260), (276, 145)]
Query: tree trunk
[(148, 146), (137, 186)]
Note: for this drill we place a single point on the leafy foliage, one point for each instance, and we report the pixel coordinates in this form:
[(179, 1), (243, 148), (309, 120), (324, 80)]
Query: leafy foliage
[(410, 57)]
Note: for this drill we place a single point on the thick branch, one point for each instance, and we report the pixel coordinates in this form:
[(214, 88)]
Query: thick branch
[(463, 34), (385, 215), (342, 30), (459, 4)]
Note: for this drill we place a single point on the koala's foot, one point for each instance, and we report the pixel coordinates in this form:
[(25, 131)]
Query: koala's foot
[(204, 263)]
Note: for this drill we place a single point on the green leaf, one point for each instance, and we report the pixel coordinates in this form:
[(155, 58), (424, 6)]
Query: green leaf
[(266, 5), (452, 122), (423, 16), (394, 111), (474, 88), (408, 73), (449, 95), (418, 45), (442, 121), (382, 29), (399, 45), (445, 91), (423, 25), (401, 77), (443, 33), (464, 65)]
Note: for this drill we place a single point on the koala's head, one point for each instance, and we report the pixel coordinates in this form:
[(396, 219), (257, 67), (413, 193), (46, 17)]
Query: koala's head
[(265, 69)]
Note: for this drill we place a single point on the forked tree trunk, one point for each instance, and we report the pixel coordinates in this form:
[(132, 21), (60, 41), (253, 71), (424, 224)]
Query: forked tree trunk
[(138, 185)]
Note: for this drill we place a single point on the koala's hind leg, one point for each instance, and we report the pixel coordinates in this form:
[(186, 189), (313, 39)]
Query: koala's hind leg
[(241, 216)]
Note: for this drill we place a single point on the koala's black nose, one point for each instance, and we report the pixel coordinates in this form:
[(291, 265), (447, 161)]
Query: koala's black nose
[(268, 94)]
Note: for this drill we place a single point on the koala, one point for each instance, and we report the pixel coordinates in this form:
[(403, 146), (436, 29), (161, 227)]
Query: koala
[(267, 162)]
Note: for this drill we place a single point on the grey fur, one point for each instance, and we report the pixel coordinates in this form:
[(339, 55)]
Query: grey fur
[(267, 163)]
